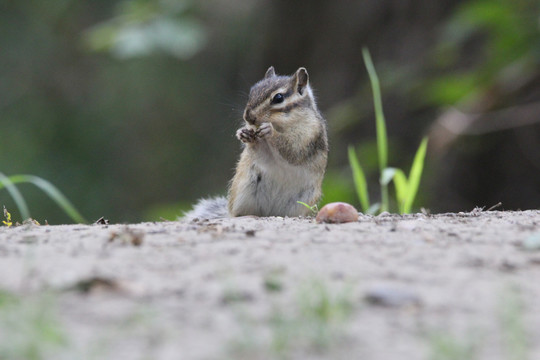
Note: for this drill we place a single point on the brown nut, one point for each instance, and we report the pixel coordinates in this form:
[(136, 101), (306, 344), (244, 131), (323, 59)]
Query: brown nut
[(337, 212)]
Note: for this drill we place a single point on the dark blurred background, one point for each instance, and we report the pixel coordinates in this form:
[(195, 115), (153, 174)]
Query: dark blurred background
[(130, 107)]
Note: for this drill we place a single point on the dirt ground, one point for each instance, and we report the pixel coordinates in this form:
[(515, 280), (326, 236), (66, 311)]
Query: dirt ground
[(448, 286)]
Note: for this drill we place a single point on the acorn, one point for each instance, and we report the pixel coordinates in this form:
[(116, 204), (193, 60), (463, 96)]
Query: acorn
[(337, 213)]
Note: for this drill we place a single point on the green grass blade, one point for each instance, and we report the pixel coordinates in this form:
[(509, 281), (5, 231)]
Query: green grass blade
[(359, 180), (382, 138), (388, 175), (16, 195), (415, 175), (313, 208), (402, 188), (53, 193), (374, 209)]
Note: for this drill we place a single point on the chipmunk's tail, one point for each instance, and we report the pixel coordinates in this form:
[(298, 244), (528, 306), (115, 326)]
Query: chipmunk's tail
[(212, 208)]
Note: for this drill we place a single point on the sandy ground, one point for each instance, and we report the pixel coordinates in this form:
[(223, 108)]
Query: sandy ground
[(448, 286)]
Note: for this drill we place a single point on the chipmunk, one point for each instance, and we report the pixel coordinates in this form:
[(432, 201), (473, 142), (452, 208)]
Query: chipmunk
[(284, 156)]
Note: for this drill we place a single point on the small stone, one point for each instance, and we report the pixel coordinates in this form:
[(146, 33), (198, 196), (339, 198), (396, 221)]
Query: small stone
[(236, 296), (337, 212), (388, 296), (96, 284)]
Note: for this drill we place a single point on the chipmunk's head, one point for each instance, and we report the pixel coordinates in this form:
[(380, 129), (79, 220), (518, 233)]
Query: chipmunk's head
[(279, 98)]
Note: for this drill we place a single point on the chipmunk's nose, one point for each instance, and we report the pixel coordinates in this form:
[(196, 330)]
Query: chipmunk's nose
[(250, 117)]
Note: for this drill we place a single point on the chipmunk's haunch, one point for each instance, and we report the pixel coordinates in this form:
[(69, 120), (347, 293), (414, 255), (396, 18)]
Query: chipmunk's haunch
[(285, 152)]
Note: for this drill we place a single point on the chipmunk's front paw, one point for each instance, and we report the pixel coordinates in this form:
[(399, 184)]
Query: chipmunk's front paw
[(246, 135), (266, 129)]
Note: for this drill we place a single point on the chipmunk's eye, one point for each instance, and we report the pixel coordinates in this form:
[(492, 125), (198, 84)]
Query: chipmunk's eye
[(278, 98)]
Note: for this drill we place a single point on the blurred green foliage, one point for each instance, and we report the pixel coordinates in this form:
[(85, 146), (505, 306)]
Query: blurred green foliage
[(116, 135), (486, 57), (130, 107), (142, 28), (507, 40)]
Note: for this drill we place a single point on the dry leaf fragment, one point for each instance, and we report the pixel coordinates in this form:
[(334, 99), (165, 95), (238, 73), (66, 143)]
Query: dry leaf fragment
[(127, 236), (101, 221)]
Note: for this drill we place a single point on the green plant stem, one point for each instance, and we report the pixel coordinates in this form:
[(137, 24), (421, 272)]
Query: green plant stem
[(415, 175), (384, 198), (382, 138), (406, 188), (359, 178)]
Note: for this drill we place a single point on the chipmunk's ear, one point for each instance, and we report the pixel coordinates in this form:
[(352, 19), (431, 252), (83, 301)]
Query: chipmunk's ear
[(301, 79), (270, 72)]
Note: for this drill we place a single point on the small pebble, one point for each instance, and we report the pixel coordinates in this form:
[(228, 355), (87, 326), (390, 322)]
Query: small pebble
[(389, 296), (236, 296), (337, 212)]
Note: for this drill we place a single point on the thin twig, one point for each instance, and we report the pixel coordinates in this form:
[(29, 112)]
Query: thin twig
[(495, 206)]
